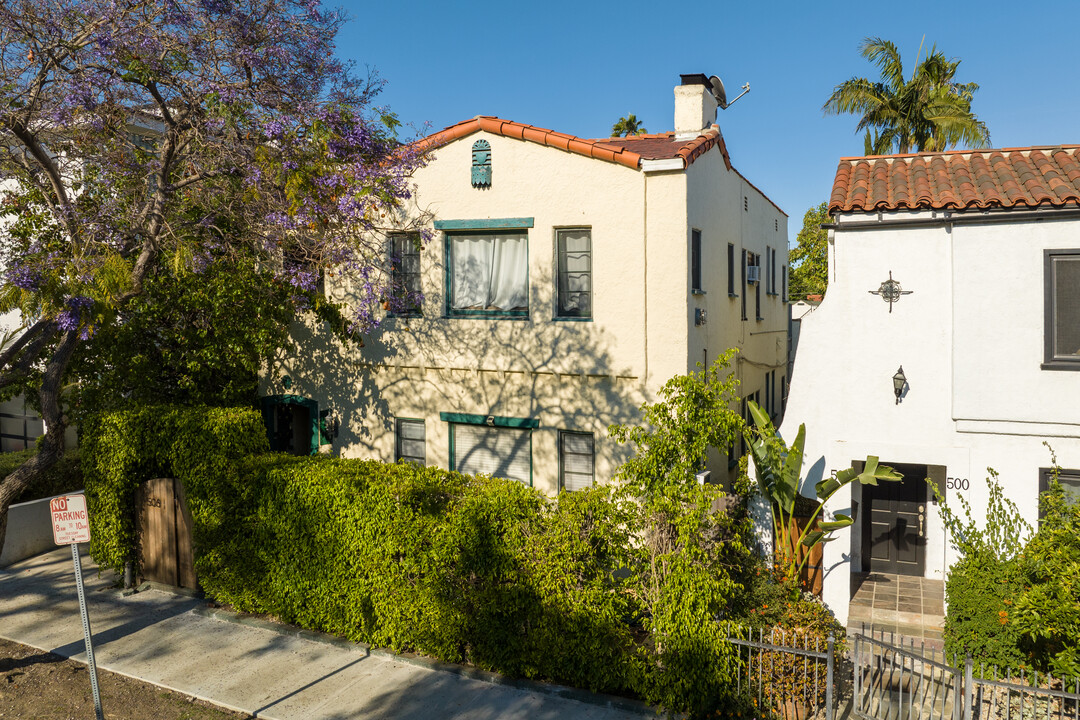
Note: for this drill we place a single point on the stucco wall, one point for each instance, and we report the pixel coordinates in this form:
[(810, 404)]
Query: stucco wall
[(969, 338), (568, 375)]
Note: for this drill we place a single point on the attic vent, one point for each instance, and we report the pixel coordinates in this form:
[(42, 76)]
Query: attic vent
[(481, 164), (746, 203)]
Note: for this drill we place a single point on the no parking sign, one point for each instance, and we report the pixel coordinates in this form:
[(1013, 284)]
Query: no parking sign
[(70, 523), (71, 526)]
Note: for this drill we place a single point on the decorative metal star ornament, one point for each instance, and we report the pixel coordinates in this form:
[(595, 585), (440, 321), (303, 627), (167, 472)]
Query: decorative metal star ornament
[(890, 291)]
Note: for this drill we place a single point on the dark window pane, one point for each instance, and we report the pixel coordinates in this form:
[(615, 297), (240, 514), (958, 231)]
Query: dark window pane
[(405, 272), (410, 441), (574, 249), (1066, 299), (695, 260)]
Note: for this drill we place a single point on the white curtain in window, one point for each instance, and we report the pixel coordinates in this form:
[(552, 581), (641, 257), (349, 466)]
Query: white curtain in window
[(489, 272)]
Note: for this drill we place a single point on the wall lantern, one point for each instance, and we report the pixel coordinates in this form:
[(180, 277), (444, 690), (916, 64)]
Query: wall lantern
[(898, 383)]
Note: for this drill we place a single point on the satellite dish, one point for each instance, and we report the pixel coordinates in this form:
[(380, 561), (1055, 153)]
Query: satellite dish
[(717, 88)]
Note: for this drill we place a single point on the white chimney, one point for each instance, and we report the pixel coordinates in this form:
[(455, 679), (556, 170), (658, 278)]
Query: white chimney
[(695, 106)]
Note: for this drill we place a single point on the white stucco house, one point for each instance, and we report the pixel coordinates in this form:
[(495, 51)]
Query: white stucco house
[(566, 281), (959, 271)]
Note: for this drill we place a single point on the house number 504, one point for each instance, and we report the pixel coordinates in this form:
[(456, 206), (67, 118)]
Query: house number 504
[(956, 483)]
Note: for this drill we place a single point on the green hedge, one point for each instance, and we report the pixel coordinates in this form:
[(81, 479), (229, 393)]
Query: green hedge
[(421, 559), (120, 450), (63, 477), (465, 569)]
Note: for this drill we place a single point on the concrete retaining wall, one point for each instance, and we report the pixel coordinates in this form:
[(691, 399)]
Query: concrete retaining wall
[(29, 531)]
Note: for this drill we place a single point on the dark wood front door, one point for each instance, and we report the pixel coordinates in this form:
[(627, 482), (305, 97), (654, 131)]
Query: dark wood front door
[(894, 523)]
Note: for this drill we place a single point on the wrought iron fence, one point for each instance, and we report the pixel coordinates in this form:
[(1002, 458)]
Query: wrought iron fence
[(899, 680), (902, 679), (789, 672)]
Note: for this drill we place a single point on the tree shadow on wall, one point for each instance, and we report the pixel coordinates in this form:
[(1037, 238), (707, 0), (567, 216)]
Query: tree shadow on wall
[(564, 373)]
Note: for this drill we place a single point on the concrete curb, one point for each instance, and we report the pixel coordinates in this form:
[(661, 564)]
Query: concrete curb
[(613, 702)]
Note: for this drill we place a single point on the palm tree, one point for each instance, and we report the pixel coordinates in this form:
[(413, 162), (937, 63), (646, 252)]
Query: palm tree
[(929, 112), (628, 125)]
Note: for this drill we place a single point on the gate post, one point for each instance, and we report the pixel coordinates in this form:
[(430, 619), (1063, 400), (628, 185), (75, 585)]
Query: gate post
[(829, 679), (968, 689)]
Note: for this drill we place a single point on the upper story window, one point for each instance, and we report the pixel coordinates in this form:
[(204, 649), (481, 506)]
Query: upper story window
[(695, 262), (731, 270), (1062, 301), (405, 273), (488, 273), (573, 248)]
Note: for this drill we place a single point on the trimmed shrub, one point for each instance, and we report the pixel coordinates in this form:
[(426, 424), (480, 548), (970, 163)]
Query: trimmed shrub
[(465, 569), (1014, 597), (120, 450), (980, 592), (592, 589)]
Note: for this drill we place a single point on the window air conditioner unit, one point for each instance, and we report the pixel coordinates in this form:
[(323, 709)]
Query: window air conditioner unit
[(752, 273)]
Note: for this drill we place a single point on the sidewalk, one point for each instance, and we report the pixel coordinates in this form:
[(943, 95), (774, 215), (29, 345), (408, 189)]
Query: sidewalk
[(172, 642)]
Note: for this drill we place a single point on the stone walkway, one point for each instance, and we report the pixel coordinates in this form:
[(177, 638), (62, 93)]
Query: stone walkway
[(913, 607)]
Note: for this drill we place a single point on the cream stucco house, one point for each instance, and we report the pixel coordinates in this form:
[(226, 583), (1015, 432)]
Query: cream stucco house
[(957, 274), (566, 281)]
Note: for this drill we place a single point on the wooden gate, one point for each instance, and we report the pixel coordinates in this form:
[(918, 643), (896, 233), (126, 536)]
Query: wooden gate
[(163, 522)]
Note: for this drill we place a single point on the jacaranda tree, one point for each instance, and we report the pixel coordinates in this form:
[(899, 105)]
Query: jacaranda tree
[(141, 135)]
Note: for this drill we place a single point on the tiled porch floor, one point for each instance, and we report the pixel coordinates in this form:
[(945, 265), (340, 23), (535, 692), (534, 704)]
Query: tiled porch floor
[(910, 606)]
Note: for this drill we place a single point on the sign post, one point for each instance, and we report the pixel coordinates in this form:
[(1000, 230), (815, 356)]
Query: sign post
[(71, 525)]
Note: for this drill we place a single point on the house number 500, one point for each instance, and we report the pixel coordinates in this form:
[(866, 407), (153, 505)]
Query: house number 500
[(956, 483)]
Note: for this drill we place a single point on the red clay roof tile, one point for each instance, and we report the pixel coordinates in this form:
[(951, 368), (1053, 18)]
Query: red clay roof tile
[(628, 151), (959, 180)]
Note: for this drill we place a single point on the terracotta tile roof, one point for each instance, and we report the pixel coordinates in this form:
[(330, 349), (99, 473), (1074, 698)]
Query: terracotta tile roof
[(961, 180), (628, 151), (664, 146)]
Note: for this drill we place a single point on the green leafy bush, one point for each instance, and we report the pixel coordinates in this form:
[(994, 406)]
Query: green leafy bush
[(1014, 596), (983, 584), (63, 477), (120, 450), (1048, 610), (596, 589)]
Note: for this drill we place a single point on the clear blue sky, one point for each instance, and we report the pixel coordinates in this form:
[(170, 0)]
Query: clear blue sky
[(576, 67)]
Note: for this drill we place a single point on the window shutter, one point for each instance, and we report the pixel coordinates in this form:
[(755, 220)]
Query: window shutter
[(501, 452), (577, 461)]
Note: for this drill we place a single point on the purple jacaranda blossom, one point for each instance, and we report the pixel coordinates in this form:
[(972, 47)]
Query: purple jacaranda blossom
[(24, 278)]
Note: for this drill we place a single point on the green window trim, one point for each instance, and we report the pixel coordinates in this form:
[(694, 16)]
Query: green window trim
[(399, 437), (319, 431), (496, 420), (448, 417), (520, 223), (448, 278), (562, 450)]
